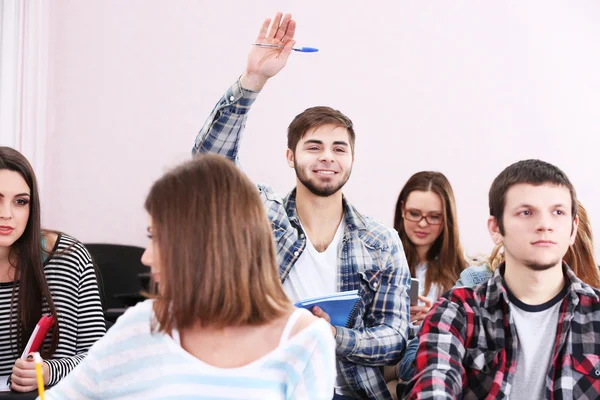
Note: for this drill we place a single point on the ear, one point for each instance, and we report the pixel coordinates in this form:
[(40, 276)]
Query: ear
[(574, 229), (494, 230), (403, 207), (289, 155)]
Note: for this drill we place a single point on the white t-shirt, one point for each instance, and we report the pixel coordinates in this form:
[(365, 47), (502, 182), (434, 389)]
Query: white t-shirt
[(315, 274), (536, 329), (434, 289)]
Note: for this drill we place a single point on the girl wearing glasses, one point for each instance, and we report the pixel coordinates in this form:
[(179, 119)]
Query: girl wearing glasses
[(426, 222)]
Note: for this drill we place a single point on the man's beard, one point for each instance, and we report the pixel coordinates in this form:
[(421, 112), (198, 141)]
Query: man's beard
[(321, 191), (540, 267)]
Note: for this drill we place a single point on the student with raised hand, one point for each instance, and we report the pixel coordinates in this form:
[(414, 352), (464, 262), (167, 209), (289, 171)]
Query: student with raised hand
[(580, 258), (41, 273), (323, 243), (532, 331), (220, 324)]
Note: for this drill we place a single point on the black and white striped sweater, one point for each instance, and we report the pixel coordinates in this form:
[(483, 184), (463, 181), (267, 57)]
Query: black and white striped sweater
[(74, 288)]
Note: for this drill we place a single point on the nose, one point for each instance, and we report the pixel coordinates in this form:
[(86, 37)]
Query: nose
[(326, 155), (147, 257), (422, 223), (5, 211), (543, 222)]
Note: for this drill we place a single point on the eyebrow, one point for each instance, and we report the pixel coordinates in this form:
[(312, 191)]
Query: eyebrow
[(426, 212), (337, 142), (18, 195), (525, 205)]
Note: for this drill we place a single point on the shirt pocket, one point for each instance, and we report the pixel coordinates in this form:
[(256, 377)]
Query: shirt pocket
[(278, 232), (370, 282), (586, 365), (586, 375), (481, 361)]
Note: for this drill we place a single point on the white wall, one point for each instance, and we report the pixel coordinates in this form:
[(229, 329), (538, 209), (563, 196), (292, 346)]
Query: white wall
[(462, 87)]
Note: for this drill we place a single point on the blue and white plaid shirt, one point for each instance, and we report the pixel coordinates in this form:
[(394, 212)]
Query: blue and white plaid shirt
[(371, 260)]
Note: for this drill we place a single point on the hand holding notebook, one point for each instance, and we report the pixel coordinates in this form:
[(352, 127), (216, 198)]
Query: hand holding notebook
[(35, 341), (340, 306)]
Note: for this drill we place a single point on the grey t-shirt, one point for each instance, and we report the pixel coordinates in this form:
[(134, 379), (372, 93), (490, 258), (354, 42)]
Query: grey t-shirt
[(536, 330)]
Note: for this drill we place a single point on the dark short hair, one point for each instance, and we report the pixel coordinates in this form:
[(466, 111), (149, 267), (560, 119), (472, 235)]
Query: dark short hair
[(533, 172), (316, 117)]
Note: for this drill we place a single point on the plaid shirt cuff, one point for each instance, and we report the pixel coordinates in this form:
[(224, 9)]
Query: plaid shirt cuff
[(235, 93)]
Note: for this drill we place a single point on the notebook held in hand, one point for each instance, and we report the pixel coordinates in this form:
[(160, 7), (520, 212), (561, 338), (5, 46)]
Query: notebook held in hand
[(340, 306)]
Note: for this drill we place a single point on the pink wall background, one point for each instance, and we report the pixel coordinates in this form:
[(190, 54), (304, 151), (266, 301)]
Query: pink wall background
[(463, 87)]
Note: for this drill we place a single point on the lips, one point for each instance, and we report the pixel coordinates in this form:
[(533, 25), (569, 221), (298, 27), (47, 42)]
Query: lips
[(543, 243), (421, 235), (324, 172), (6, 230)]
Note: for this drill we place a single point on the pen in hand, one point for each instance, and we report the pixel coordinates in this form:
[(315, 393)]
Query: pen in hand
[(278, 46), (39, 374)]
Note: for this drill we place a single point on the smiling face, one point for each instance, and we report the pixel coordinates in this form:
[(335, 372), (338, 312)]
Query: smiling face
[(14, 207), (423, 232), (322, 159), (538, 225)]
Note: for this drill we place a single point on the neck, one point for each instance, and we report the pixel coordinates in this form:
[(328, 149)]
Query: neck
[(533, 287), (422, 254), (317, 213), (4, 252), (6, 270)]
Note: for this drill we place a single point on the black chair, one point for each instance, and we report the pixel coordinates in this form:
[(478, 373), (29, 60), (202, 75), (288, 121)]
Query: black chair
[(121, 276)]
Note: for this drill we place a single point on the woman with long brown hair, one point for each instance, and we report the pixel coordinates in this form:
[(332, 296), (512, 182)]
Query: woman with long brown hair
[(41, 273), (219, 324), (425, 219), (426, 222)]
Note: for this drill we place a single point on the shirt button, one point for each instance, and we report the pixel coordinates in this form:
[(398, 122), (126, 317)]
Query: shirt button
[(231, 98), (296, 253), (597, 372), (302, 236), (375, 284)]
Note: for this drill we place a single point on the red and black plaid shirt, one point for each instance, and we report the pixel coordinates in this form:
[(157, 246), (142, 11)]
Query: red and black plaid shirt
[(468, 345)]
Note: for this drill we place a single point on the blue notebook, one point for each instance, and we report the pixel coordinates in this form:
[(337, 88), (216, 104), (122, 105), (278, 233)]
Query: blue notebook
[(341, 306)]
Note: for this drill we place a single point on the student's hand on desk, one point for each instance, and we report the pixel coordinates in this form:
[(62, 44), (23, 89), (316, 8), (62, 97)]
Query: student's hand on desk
[(23, 378), (418, 313), (318, 312), (264, 63)]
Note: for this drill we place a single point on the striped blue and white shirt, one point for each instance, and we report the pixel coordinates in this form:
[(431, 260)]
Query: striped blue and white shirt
[(131, 362), (371, 260)]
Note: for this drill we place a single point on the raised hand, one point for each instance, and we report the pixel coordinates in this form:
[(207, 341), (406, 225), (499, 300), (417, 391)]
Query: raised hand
[(264, 63)]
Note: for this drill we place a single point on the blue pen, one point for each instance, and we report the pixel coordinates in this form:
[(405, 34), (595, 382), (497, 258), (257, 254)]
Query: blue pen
[(278, 46)]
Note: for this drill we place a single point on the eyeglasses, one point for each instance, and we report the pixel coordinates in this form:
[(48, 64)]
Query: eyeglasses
[(416, 216)]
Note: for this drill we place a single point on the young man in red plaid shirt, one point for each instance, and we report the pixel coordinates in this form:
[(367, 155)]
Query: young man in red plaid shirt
[(533, 330)]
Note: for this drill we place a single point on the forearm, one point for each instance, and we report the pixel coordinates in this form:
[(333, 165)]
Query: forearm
[(61, 367), (222, 131), (439, 369), (376, 346), (383, 336)]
